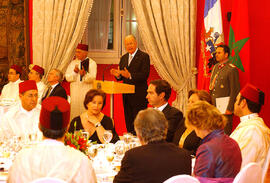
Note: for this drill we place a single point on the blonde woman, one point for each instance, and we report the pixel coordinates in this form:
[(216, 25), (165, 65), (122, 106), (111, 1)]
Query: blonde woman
[(218, 156)]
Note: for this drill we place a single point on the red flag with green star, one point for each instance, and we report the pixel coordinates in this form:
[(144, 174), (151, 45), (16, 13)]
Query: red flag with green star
[(239, 39)]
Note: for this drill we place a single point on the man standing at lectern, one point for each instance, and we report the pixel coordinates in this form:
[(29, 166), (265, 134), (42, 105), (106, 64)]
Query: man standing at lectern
[(133, 69), (80, 73)]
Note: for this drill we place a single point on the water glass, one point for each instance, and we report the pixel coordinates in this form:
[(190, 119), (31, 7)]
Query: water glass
[(107, 136)]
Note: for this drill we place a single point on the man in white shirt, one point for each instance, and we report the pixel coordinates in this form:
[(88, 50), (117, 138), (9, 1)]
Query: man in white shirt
[(252, 135), (22, 119), (81, 73), (11, 90), (51, 158), (36, 73), (158, 94)]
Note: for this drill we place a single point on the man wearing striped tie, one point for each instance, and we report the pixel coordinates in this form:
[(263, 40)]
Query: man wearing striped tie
[(133, 69)]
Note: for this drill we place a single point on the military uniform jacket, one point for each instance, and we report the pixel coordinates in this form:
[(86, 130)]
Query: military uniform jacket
[(224, 82)]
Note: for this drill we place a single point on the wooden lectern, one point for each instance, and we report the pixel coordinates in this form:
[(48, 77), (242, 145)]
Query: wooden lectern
[(111, 87)]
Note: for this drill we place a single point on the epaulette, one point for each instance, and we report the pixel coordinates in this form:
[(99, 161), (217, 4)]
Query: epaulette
[(232, 65)]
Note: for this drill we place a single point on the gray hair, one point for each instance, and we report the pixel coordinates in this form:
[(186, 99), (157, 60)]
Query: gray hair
[(151, 125), (59, 74)]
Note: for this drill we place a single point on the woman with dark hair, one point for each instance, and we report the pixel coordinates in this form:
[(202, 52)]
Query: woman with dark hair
[(93, 120), (184, 137)]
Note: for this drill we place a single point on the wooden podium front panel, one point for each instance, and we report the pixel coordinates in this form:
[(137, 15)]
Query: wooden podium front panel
[(112, 87)]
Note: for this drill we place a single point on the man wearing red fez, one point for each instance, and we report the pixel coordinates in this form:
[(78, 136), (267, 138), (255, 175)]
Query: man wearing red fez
[(50, 157), (36, 73), (22, 119), (10, 91), (252, 135), (80, 73)]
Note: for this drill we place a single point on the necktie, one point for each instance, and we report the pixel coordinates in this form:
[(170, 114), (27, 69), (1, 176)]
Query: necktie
[(48, 91), (129, 59)]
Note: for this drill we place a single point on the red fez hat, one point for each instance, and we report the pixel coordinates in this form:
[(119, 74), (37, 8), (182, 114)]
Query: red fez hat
[(253, 94), (55, 113), (27, 85), (39, 69), (16, 68), (82, 47)]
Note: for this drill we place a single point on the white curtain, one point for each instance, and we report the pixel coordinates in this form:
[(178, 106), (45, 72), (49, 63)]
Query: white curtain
[(98, 25), (58, 26), (168, 31)]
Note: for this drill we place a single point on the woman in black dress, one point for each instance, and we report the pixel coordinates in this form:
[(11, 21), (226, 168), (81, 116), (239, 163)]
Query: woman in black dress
[(187, 138), (93, 120)]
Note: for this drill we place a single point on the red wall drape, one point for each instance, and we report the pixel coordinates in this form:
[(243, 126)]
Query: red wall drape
[(259, 27), (30, 9)]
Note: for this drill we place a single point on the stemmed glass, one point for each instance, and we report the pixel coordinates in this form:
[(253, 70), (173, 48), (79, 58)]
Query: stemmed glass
[(92, 152), (119, 149), (127, 137), (85, 135), (107, 136)]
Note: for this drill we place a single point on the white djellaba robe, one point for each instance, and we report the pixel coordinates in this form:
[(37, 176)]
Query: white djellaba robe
[(51, 158), (11, 91), (41, 88), (19, 122), (78, 88), (253, 138)]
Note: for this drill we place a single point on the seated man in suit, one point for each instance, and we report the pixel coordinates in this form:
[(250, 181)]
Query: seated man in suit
[(50, 157), (22, 119), (54, 79), (156, 160), (158, 94)]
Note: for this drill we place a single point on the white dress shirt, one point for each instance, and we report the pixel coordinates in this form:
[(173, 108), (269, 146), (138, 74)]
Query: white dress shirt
[(41, 89), (161, 107)]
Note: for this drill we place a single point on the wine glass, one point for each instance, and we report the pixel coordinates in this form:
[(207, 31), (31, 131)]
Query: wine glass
[(127, 137), (107, 136), (92, 151), (119, 149), (110, 156), (85, 135)]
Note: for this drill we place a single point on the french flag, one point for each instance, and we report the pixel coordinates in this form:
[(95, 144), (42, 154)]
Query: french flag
[(211, 36)]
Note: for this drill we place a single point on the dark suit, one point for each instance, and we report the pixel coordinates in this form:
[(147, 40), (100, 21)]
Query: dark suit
[(139, 69), (59, 91), (192, 141), (226, 84), (153, 163), (173, 116)]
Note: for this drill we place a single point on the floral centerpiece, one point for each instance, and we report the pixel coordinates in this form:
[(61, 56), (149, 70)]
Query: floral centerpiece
[(77, 140)]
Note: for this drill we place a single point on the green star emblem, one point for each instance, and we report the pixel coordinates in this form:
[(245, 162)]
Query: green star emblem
[(236, 47)]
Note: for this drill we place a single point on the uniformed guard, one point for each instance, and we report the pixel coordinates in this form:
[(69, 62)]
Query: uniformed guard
[(224, 82)]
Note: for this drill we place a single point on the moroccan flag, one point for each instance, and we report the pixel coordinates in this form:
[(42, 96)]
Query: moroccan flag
[(238, 39), (211, 36)]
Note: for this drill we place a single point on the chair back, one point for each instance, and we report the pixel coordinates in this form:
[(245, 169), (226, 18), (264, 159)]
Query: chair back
[(182, 178), (252, 172), (48, 180), (266, 165)]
